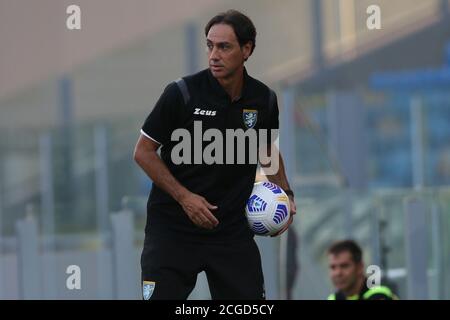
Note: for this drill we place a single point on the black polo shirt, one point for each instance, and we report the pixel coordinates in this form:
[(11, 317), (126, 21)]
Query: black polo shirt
[(227, 186)]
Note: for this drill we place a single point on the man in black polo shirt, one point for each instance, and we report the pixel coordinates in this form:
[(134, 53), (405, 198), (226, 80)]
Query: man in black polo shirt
[(196, 209)]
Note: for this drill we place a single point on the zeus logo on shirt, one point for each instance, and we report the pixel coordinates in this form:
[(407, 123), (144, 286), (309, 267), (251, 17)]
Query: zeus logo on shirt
[(205, 112)]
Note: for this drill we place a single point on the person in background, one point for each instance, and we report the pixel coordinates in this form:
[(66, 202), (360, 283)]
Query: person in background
[(346, 269)]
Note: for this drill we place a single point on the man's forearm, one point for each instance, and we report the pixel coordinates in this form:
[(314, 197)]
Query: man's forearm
[(280, 178), (157, 170)]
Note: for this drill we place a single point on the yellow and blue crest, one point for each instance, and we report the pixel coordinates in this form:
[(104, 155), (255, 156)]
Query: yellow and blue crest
[(250, 117), (147, 289)]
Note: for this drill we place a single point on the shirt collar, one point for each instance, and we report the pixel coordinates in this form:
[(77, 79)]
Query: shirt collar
[(357, 296), (220, 91)]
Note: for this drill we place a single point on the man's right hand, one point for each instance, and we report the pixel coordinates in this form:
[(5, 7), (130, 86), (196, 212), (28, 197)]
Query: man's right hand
[(198, 210), (195, 206)]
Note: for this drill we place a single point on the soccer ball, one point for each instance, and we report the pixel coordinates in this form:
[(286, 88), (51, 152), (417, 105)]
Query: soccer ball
[(267, 209)]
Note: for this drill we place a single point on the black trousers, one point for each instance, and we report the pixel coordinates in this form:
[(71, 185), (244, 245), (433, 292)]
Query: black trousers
[(170, 268)]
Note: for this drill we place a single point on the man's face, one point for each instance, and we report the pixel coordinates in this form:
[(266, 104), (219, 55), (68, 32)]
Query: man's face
[(225, 55), (344, 272)]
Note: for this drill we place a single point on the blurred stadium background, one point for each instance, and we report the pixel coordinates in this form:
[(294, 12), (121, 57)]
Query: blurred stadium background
[(365, 133)]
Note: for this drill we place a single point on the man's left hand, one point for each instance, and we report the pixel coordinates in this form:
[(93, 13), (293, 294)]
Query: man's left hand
[(292, 213)]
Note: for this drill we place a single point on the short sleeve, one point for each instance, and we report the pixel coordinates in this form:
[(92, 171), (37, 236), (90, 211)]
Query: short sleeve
[(273, 111), (162, 120), (273, 121)]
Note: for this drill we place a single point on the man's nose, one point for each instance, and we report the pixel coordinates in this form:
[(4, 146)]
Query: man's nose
[(336, 273), (214, 55), (339, 273)]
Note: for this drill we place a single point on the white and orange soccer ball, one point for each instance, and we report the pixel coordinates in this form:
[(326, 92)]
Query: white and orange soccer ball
[(267, 209)]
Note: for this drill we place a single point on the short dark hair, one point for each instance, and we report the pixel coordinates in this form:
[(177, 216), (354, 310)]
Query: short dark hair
[(242, 25), (347, 245)]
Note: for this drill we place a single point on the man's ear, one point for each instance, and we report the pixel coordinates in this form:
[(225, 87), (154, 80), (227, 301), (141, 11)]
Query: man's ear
[(360, 268), (247, 49)]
